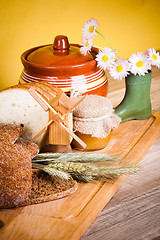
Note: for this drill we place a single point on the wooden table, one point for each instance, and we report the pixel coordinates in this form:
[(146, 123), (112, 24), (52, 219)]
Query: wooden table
[(134, 211)]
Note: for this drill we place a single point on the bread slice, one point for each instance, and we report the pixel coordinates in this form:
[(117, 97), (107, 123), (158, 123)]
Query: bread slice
[(19, 107)]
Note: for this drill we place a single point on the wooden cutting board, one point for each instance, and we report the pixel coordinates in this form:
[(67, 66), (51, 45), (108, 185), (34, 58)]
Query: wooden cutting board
[(68, 218)]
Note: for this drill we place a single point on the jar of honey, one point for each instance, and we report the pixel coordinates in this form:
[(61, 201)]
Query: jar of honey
[(93, 121)]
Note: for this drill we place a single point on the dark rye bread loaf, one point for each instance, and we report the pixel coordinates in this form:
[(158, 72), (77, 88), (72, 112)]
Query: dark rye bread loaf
[(15, 166), (19, 184)]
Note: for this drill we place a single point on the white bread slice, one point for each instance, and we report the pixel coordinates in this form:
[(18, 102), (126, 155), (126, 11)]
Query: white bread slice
[(19, 107)]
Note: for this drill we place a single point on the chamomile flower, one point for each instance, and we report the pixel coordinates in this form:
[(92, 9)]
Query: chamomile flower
[(153, 57), (139, 64), (120, 69), (105, 58), (89, 28), (86, 48)]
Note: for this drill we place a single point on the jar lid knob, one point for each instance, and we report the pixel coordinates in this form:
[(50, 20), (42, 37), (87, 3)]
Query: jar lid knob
[(61, 44)]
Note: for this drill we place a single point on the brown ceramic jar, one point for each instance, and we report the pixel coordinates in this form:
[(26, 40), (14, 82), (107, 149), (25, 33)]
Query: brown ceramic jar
[(62, 65)]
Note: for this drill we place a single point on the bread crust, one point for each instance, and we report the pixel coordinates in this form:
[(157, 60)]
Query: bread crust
[(15, 166), (9, 133)]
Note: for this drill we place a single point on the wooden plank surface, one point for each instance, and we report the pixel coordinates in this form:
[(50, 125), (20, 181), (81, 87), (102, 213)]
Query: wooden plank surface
[(124, 217), (134, 211), (75, 213)]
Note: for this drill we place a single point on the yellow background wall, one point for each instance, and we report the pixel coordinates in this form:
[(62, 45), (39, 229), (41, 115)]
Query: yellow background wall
[(129, 26)]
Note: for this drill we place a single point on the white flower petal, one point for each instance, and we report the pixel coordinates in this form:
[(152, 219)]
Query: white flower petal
[(105, 58), (86, 48), (153, 57), (139, 64), (120, 69), (89, 28)]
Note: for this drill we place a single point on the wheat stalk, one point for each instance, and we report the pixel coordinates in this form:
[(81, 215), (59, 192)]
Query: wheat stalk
[(75, 157), (86, 171), (52, 171)]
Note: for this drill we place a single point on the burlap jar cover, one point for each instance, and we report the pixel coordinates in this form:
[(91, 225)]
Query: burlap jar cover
[(95, 116)]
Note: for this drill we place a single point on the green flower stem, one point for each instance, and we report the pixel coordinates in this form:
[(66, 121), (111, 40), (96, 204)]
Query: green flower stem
[(104, 39)]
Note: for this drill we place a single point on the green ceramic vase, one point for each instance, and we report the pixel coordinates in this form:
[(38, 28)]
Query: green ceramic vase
[(136, 103)]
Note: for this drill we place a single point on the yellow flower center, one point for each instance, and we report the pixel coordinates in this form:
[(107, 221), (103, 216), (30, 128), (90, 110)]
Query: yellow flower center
[(139, 64), (91, 29), (119, 68), (105, 58), (154, 57), (86, 44)]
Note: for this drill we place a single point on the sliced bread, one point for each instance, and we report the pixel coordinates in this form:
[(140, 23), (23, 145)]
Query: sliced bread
[(19, 107)]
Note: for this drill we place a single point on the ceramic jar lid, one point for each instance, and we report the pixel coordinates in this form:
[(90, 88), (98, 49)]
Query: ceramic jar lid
[(59, 59)]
